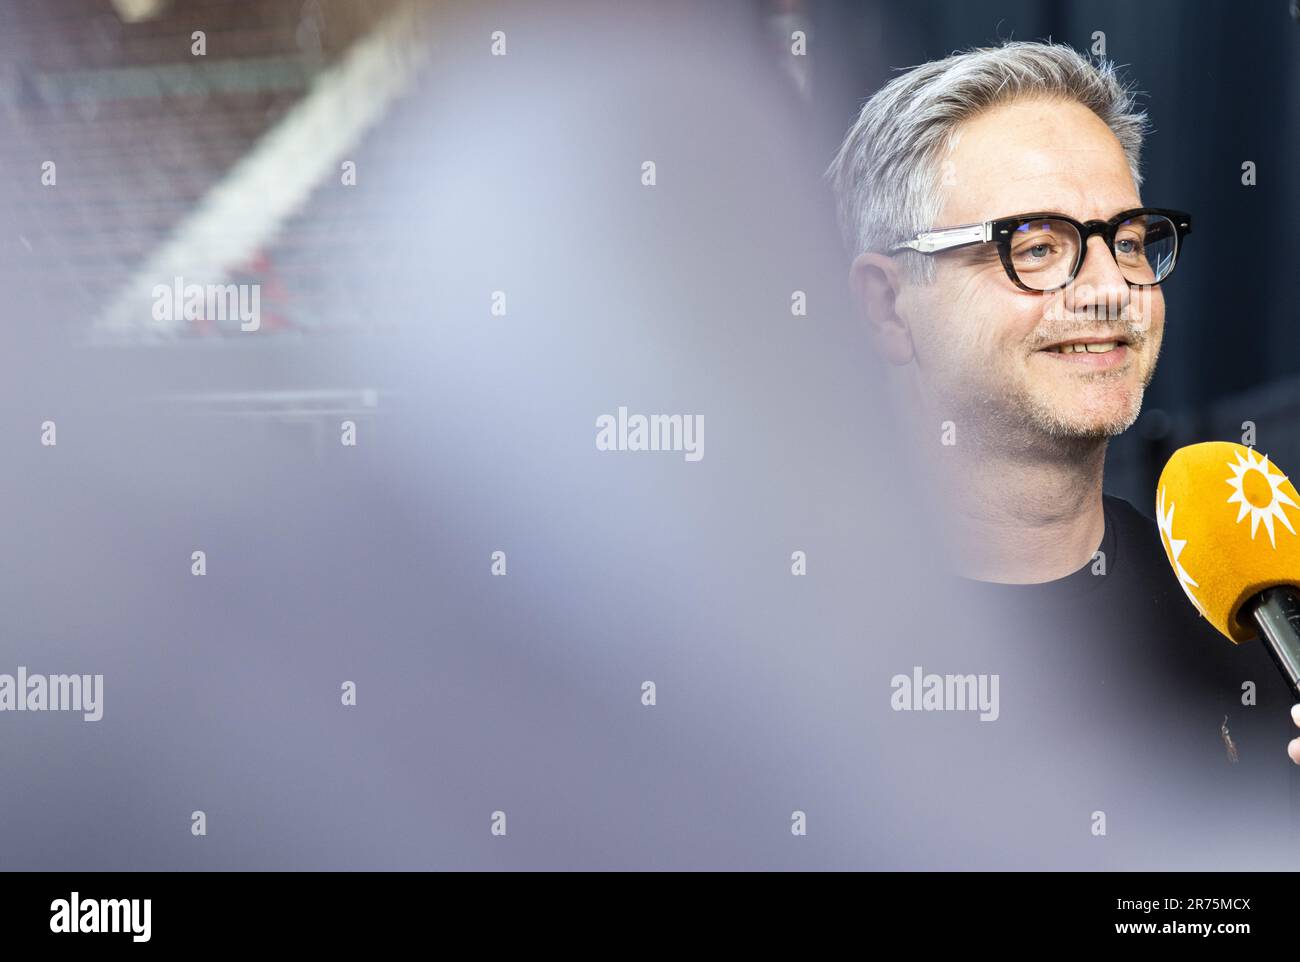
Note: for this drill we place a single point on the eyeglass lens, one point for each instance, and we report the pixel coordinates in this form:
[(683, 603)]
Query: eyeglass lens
[(1045, 252)]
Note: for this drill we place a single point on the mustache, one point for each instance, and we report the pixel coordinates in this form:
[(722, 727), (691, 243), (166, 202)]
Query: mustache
[(1095, 320), (1133, 330), (1099, 313)]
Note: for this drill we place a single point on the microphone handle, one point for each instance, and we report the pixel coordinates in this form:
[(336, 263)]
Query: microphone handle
[(1276, 613)]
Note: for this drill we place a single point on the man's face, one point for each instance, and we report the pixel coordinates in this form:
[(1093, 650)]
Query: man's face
[(980, 343)]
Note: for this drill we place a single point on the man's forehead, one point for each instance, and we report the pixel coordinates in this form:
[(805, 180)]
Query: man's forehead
[(1023, 158)]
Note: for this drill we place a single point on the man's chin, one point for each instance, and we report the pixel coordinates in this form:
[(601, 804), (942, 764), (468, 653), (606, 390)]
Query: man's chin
[(1089, 418), (1063, 402)]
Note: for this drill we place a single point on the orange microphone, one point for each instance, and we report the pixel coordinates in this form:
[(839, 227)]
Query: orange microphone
[(1228, 519)]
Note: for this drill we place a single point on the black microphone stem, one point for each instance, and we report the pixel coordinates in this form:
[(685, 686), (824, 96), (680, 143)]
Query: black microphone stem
[(1276, 613)]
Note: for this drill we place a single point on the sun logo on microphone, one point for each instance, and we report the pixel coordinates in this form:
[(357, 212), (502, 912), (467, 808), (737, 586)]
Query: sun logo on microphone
[(1174, 547), (1259, 493)]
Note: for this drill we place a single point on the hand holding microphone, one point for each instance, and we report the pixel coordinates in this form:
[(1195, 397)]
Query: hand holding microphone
[(1293, 748)]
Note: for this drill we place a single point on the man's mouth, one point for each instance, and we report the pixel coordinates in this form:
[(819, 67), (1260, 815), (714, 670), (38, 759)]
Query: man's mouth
[(1088, 345), (1095, 352)]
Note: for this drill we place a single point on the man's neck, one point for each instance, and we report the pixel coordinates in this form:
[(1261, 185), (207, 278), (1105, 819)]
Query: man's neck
[(1027, 515)]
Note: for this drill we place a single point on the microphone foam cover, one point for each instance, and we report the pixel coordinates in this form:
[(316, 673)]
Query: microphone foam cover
[(1228, 520)]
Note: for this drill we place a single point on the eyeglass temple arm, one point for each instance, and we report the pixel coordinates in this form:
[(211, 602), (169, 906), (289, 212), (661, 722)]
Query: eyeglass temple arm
[(928, 242)]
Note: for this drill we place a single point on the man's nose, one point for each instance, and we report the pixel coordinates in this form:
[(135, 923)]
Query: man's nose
[(1100, 285)]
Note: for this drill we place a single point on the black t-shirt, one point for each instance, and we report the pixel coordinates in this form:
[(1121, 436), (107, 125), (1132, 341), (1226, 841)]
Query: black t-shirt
[(1113, 667)]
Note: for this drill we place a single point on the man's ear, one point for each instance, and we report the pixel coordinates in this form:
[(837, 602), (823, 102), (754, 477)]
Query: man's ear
[(876, 282)]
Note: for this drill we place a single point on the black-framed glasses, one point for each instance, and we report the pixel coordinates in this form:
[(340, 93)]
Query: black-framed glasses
[(1044, 251)]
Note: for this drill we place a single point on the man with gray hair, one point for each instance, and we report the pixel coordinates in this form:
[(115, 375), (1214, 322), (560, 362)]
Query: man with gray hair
[(1035, 341), (1010, 275)]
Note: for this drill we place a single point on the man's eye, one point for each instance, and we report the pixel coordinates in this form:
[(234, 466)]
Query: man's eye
[(1036, 251), (1128, 245)]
